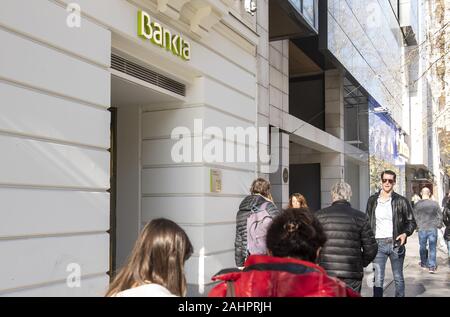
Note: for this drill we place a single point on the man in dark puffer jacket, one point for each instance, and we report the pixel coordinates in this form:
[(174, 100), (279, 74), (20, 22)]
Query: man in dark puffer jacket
[(259, 194), (351, 244)]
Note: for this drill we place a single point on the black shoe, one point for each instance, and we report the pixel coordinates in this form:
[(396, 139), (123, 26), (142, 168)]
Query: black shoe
[(377, 291)]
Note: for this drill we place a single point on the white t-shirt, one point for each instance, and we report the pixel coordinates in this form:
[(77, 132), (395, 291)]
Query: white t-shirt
[(147, 290), (383, 222)]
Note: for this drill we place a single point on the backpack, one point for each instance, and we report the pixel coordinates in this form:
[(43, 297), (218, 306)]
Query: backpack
[(258, 223)]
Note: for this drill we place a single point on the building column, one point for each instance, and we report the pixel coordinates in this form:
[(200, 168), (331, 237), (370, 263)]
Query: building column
[(332, 165), (334, 103), (278, 105), (262, 59), (331, 172), (280, 185), (364, 188)]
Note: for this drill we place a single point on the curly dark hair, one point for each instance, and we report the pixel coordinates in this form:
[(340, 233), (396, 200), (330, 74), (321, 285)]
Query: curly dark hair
[(296, 233)]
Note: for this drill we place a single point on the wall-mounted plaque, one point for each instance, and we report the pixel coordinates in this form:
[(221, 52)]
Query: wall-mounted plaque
[(285, 175), (215, 180)]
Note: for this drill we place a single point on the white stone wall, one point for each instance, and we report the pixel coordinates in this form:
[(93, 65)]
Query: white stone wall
[(181, 191), (419, 95), (278, 108), (334, 103), (221, 90), (54, 140), (262, 57), (54, 135)]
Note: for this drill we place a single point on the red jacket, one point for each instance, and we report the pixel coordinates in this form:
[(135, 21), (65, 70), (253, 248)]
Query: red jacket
[(266, 276)]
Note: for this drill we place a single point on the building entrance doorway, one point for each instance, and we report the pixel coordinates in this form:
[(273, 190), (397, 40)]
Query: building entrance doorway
[(305, 179), (133, 102)]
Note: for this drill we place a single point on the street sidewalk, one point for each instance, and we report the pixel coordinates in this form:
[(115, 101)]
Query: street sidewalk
[(418, 282)]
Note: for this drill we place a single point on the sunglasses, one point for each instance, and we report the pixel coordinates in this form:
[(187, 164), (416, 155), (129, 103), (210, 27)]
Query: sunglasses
[(391, 181)]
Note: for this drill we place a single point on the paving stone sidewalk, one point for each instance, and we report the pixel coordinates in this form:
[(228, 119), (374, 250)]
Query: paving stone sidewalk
[(418, 282)]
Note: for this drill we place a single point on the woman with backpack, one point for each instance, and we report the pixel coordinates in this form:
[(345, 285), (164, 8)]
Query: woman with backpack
[(294, 240), (255, 214)]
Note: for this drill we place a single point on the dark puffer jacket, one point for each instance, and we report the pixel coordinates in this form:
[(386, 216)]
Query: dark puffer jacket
[(240, 243), (351, 244), (446, 218)]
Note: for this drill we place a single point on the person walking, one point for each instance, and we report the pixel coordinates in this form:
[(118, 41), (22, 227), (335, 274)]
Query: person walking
[(446, 218), (155, 267), (297, 201), (256, 211), (294, 241), (351, 244), (429, 219), (392, 221), (446, 199)]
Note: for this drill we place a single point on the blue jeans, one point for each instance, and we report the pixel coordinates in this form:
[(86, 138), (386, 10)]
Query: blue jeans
[(396, 256), (428, 258)]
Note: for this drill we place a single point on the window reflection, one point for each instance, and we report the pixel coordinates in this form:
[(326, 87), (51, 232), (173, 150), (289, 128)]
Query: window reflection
[(308, 8), (297, 4)]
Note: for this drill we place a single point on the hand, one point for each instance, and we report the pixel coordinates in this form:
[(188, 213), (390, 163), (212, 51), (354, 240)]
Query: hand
[(402, 238)]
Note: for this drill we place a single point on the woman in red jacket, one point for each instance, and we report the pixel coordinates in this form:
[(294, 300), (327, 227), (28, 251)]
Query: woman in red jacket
[(294, 241)]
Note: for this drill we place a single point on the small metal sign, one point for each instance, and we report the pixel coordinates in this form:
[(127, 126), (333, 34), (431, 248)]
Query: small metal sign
[(215, 180)]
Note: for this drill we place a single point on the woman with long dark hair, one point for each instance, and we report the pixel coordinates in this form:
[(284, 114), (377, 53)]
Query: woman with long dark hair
[(155, 267)]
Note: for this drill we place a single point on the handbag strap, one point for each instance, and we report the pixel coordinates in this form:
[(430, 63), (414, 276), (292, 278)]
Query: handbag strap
[(230, 289)]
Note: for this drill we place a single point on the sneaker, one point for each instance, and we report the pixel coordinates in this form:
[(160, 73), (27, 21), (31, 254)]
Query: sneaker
[(432, 270), (422, 266)]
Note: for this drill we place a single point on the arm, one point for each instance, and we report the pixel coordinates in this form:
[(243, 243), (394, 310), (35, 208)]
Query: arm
[(238, 247), (368, 206), (439, 217), (240, 242), (446, 216), (415, 213), (369, 244), (272, 209), (410, 223)]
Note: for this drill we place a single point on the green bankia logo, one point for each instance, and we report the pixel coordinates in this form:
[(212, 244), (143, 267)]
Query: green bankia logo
[(162, 37)]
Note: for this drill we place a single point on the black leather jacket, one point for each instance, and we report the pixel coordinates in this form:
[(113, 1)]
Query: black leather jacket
[(446, 218), (403, 218)]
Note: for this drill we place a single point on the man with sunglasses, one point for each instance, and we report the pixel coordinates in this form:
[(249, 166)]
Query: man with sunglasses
[(392, 220)]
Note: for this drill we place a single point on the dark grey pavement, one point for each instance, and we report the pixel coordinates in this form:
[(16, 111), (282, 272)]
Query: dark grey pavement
[(418, 282)]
